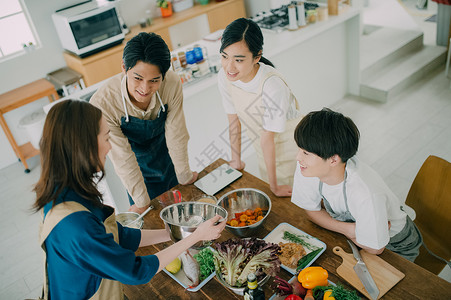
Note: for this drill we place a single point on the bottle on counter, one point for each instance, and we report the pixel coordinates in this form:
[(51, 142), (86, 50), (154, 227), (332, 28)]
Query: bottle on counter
[(190, 58), (175, 61), (198, 55), (292, 21), (148, 17), (301, 13), (182, 58), (253, 291)]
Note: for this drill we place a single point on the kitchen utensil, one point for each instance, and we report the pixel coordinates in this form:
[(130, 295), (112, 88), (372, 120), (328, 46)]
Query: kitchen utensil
[(385, 275), (127, 217), (182, 219), (362, 272), (240, 200), (140, 216)]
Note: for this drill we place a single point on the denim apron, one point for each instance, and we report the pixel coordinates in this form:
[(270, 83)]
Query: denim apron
[(148, 141), (406, 243), (344, 217)]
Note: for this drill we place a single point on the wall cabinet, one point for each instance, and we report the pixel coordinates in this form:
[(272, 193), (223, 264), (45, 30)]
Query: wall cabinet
[(107, 63)]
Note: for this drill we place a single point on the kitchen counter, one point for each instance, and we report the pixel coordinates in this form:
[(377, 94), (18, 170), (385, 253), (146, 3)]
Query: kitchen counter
[(276, 44), (418, 283)]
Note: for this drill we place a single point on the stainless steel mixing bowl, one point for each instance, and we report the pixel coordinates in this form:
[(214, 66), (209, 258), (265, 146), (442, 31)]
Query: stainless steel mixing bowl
[(182, 219), (238, 201)]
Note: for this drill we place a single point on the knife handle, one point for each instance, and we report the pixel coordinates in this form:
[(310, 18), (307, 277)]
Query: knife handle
[(355, 250)]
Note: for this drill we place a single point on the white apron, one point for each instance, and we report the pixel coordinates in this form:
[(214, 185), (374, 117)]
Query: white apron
[(108, 289), (250, 110)]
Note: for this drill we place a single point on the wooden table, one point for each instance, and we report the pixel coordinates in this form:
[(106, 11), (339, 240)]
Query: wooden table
[(417, 284), (17, 98)]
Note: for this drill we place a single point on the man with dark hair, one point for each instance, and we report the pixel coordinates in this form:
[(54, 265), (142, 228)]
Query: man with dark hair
[(356, 201), (144, 110)]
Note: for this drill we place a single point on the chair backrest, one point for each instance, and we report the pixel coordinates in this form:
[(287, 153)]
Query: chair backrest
[(430, 196)]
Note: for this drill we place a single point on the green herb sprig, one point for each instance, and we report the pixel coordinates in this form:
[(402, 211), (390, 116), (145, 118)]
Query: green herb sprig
[(206, 263), (298, 239), (338, 292)]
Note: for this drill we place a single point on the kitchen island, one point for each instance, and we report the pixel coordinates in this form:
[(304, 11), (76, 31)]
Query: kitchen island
[(418, 283)]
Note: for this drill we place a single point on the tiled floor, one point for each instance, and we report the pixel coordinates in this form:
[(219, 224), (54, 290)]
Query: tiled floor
[(396, 138)]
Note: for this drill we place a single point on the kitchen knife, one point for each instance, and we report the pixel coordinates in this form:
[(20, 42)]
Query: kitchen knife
[(363, 273)]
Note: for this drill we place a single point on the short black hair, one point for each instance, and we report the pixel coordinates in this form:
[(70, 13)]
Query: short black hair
[(149, 48), (326, 133)]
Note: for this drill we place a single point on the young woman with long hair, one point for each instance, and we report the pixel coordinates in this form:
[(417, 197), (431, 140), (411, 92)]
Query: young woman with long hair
[(87, 253)]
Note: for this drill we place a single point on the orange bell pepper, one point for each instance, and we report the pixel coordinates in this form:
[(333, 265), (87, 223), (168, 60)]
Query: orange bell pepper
[(312, 277)]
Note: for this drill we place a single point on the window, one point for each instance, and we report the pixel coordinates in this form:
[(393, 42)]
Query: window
[(17, 34)]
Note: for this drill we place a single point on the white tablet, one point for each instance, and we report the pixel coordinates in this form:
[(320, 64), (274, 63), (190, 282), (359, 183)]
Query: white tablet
[(217, 179)]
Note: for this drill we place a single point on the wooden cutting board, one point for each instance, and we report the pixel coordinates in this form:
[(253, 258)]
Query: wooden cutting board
[(385, 275)]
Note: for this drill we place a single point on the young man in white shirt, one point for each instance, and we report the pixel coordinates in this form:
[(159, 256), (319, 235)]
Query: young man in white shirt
[(342, 194)]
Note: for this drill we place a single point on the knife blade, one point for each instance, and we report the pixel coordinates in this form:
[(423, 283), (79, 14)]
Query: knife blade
[(362, 272)]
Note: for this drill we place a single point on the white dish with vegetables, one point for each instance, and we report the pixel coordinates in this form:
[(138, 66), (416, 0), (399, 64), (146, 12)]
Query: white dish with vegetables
[(292, 237), (206, 270)]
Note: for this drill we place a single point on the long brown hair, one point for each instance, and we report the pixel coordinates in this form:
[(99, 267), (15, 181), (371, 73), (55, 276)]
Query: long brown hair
[(69, 153)]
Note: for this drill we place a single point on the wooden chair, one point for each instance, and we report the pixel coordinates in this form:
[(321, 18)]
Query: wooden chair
[(430, 196)]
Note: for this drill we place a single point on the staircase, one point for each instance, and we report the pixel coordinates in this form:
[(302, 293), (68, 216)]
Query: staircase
[(392, 59)]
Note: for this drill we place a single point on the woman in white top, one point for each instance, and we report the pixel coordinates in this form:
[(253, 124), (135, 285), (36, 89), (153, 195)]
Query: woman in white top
[(257, 97)]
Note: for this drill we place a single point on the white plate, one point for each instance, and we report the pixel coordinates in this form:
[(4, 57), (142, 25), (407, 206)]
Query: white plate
[(276, 236), (181, 278)]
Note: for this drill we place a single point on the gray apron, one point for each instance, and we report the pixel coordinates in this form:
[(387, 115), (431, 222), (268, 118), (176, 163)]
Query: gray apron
[(406, 243)]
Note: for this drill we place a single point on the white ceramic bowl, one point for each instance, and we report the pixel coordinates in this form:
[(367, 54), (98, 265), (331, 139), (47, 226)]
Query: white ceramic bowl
[(129, 216)]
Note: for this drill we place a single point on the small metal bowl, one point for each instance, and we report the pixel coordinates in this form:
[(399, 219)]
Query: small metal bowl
[(182, 219), (240, 200), (237, 290), (129, 216), (205, 199)]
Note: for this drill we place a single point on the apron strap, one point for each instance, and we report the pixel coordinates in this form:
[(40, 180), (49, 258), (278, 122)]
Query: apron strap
[(123, 97), (53, 217)]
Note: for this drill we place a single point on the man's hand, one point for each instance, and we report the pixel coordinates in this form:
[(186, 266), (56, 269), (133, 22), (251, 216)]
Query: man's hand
[(194, 178), (282, 190), (137, 209)]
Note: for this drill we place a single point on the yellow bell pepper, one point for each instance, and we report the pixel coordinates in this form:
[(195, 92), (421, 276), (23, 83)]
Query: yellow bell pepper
[(312, 277), (328, 295)]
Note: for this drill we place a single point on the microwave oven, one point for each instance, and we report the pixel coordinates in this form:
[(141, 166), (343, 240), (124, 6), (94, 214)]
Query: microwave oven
[(88, 27)]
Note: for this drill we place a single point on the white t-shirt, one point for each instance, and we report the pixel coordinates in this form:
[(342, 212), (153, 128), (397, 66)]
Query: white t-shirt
[(276, 97), (370, 202)]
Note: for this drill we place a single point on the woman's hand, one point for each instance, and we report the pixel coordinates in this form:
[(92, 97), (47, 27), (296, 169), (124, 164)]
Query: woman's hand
[(237, 165), (282, 190), (137, 209), (194, 178), (208, 230)]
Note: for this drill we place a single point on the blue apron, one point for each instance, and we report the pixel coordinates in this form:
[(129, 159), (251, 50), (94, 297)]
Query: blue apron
[(148, 141)]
